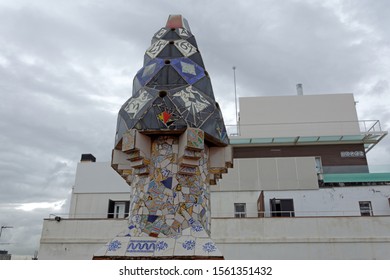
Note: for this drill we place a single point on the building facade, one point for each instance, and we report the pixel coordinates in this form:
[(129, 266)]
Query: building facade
[(300, 188)]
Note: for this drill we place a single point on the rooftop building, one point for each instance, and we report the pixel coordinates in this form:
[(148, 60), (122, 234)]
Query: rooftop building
[(301, 188)]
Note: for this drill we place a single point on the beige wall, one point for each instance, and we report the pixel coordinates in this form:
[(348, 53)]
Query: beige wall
[(303, 115), (295, 173)]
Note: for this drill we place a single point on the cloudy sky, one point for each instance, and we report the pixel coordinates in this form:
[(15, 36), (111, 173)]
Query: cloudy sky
[(66, 67)]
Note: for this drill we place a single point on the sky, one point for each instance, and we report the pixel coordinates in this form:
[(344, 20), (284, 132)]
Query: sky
[(66, 68)]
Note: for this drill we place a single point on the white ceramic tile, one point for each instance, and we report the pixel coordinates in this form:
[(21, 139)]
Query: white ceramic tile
[(186, 232), (185, 246), (206, 247), (168, 251), (121, 243), (141, 246), (197, 230)]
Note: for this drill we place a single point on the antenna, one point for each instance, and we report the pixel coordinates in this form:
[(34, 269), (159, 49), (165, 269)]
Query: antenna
[(235, 92)]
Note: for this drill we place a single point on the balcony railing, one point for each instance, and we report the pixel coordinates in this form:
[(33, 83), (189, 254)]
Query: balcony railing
[(365, 126), (238, 215), (367, 132)]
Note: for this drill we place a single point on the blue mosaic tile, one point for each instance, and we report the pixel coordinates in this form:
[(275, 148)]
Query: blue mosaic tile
[(161, 245), (141, 246), (189, 244), (114, 245), (209, 247), (167, 182), (197, 227), (152, 218)]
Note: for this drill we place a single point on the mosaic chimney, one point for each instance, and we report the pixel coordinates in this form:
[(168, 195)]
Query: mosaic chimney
[(171, 144)]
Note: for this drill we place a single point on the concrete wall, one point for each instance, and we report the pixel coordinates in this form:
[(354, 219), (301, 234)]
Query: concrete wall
[(222, 203), (303, 238), (270, 174), (76, 239), (245, 238), (307, 115)]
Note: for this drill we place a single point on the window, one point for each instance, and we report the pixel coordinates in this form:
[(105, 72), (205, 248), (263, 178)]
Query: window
[(365, 208), (282, 207), (118, 209), (240, 210)]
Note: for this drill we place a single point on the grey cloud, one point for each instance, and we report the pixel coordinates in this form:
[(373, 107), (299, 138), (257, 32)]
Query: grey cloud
[(66, 67)]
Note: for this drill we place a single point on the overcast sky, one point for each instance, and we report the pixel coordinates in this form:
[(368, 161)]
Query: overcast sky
[(66, 67)]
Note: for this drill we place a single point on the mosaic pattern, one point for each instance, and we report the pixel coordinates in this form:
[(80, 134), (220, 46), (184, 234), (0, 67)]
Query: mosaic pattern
[(189, 244), (160, 150), (145, 246), (114, 245), (195, 139), (161, 246), (173, 90), (167, 202), (209, 247)]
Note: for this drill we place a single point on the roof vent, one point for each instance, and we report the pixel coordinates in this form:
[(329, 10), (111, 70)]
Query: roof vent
[(87, 158)]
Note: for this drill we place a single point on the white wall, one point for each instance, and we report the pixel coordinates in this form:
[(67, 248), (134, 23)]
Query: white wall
[(304, 115), (245, 238), (88, 205), (303, 238), (222, 203), (95, 177), (95, 184), (340, 201), (77, 239)]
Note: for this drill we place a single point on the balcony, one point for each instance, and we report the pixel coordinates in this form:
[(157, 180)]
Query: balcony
[(367, 132)]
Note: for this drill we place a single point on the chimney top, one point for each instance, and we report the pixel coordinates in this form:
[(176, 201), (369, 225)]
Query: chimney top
[(87, 158)]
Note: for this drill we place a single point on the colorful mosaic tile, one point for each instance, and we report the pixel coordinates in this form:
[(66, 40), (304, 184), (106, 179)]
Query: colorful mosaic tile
[(195, 138), (163, 193), (128, 142), (169, 173)]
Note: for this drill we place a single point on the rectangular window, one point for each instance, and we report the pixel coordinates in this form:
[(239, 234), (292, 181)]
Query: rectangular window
[(240, 210), (365, 208), (118, 209), (282, 207)]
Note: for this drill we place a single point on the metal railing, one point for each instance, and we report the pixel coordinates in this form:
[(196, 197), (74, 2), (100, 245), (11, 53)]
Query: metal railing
[(251, 214), (365, 126), (300, 214)]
